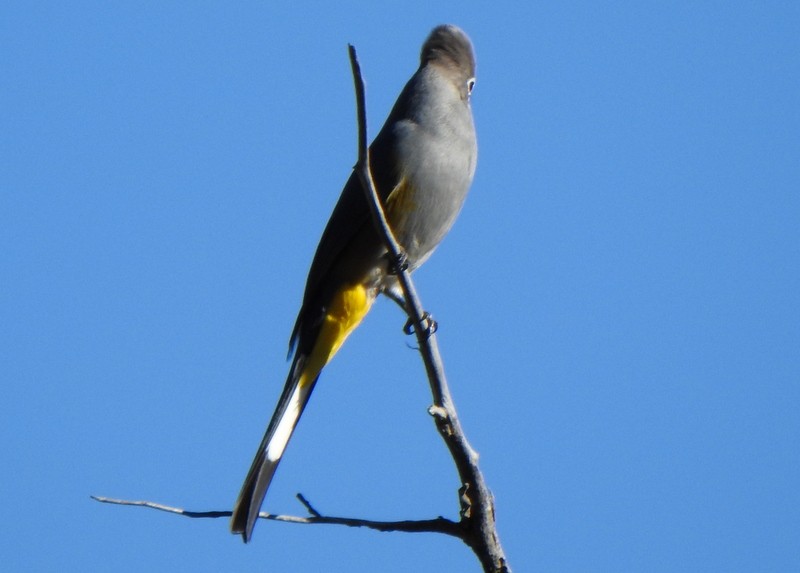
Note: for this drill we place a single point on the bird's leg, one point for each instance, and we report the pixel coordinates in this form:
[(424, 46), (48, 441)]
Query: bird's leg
[(397, 298), (430, 325)]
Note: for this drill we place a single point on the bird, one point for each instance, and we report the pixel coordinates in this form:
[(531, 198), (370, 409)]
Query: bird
[(422, 161)]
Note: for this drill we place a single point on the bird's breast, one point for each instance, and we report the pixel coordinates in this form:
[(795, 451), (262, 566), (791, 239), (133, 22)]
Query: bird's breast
[(436, 166)]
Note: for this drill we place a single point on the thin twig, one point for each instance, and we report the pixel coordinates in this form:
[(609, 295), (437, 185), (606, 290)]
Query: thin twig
[(308, 505), (161, 507)]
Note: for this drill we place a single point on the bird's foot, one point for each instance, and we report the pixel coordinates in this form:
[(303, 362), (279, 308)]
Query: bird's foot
[(398, 264), (430, 326)]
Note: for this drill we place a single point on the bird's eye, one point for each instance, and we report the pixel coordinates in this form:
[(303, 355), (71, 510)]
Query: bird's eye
[(470, 85)]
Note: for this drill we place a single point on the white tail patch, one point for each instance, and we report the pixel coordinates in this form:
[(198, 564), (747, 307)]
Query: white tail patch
[(287, 422)]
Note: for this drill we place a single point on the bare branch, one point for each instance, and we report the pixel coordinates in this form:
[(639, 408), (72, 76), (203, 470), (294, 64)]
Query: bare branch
[(438, 525), (161, 507), (477, 504)]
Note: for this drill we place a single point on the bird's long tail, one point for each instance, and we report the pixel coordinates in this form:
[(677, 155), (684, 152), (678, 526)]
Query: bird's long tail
[(346, 310)]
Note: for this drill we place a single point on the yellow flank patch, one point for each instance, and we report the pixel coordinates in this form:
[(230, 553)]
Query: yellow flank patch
[(348, 307), (400, 203)]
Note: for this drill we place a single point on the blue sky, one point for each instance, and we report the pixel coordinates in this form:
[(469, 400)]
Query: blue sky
[(618, 302)]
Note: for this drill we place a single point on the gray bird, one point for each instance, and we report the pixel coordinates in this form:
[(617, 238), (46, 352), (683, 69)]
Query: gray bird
[(422, 161)]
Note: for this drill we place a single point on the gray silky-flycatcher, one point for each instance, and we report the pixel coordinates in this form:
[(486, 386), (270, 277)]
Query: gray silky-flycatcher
[(422, 162)]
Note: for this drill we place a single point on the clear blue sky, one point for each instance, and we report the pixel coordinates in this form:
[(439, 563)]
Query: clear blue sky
[(619, 301)]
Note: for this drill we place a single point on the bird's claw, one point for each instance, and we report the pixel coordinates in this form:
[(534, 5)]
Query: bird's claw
[(430, 325)]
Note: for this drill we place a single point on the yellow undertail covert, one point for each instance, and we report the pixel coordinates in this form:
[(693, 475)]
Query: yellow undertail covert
[(348, 307)]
